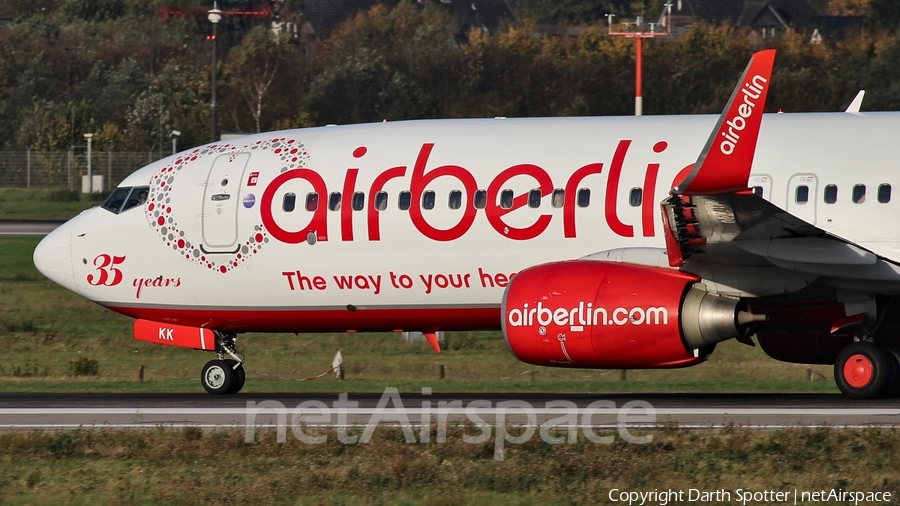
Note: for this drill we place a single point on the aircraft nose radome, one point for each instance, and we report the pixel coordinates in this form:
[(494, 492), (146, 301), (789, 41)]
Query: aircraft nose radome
[(53, 256)]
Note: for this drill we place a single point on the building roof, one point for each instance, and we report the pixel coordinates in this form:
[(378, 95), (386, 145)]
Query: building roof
[(754, 13), (774, 13)]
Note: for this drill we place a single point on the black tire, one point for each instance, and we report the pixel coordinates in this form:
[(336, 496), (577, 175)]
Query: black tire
[(240, 377), (218, 378), (863, 371), (892, 349)]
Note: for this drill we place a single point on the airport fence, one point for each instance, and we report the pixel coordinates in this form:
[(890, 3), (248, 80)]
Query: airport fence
[(64, 169)]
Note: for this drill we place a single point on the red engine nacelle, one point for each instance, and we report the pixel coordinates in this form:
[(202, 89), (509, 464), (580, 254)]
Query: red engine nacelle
[(594, 314)]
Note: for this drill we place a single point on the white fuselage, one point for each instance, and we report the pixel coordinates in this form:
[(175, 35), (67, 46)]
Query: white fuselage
[(204, 245)]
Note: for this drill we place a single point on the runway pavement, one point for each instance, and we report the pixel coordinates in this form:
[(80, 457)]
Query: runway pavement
[(27, 227), (762, 411)]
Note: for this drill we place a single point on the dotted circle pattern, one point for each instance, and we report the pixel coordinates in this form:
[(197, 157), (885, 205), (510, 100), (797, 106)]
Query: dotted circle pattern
[(161, 215)]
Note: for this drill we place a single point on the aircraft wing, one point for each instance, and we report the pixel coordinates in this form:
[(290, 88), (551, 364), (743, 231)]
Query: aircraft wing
[(711, 217)]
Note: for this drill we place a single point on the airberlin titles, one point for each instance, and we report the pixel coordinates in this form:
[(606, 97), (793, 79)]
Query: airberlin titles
[(581, 316), (422, 175), (738, 122)]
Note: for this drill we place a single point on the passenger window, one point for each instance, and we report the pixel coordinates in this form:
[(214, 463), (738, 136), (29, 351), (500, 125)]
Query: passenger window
[(289, 202), (455, 201), (312, 201), (334, 201), (534, 198), (884, 193), (802, 195), (559, 197), (859, 194), (359, 201), (830, 194), (381, 199), (584, 197), (404, 200), (428, 200), (758, 191), (506, 199), (114, 202), (636, 197), (480, 199)]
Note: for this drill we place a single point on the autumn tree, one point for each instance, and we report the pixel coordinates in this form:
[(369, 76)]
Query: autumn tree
[(252, 66)]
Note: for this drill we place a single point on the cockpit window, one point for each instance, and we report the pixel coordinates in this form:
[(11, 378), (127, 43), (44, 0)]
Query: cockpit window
[(115, 200), (137, 198), (124, 198)]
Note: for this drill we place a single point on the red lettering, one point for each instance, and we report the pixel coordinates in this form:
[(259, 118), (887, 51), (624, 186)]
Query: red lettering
[(495, 213), (158, 282), (347, 206), (418, 184), (486, 278), (421, 178), (343, 282), (648, 205), (402, 280), (612, 190), (318, 224), (377, 186), (106, 267), (489, 281), (304, 282), (571, 190)]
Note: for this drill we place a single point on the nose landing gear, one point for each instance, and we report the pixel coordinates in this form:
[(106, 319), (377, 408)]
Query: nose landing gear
[(224, 376)]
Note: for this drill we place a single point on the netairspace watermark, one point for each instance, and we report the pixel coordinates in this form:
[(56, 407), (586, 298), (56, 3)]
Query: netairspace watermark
[(391, 410), (743, 496)]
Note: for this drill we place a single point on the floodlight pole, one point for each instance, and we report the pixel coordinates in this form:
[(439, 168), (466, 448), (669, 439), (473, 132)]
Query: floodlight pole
[(89, 175), (215, 15), (175, 134), (639, 37)]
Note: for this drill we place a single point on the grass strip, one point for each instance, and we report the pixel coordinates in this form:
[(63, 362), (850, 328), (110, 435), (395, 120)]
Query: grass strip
[(44, 203), (161, 466)]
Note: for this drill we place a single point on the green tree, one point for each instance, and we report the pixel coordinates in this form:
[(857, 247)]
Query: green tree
[(149, 121), (252, 67), (394, 64)]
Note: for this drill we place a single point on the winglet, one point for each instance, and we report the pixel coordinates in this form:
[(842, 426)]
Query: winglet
[(854, 106), (724, 165)]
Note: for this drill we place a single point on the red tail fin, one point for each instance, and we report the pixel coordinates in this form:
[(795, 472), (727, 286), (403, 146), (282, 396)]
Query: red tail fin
[(724, 165)]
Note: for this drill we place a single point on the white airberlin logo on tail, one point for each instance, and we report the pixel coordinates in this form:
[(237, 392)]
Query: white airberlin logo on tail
[(752, 92), (585, 315)]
